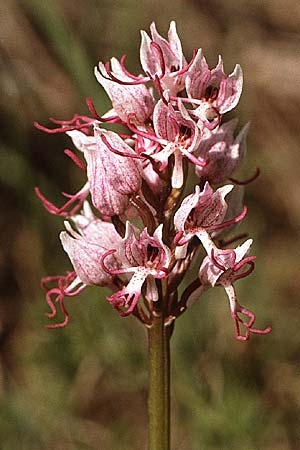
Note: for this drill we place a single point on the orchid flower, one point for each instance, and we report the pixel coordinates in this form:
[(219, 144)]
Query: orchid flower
[(148, 258), (200, 214), (212, 91), (163, 59), (85, 246), (112, 176), (224, 267), (178, 135), (127, 99), (222, 151)]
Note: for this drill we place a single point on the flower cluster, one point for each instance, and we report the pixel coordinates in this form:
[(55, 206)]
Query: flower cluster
[(134, 226)]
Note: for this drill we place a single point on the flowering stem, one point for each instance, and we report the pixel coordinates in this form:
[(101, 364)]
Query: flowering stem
[(159, 385)]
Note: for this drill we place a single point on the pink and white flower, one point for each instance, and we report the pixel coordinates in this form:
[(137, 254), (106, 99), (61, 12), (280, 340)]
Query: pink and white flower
[(211, 91), (113, 172), (85, 246), (178, 135), (128, 100), (163, 59), (200, 214), (224, 267), (147, 258), (222, 152)]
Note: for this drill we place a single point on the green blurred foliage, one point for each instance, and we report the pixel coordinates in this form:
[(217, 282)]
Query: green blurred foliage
[(85, 387)]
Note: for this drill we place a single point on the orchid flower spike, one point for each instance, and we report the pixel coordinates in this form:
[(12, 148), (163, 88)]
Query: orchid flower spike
[(130, 228)]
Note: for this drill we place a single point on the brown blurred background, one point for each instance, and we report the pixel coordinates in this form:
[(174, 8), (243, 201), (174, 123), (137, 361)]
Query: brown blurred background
[(85, 387)]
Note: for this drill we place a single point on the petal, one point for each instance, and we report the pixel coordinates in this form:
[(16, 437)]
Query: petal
[(81, 141), (175, 44), (97, 231), (214, 213), (185, 209), (166, 257), (170, 58), (164, 61), (209, 273), (217, 74), (222, 152), (164, 122), (240, 140), (177, 174), (230, 90), (243, 249), (112, 177), (197, 76), (85, 258), (235, 202), (127, 100), (123, 172), (148, 58), (151, 290), (153, 180), (128, 252)]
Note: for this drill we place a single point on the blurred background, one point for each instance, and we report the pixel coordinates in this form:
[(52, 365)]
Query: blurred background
[(85, 387)]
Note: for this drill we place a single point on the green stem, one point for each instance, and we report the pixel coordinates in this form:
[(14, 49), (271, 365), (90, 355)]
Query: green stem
[(159, 385)]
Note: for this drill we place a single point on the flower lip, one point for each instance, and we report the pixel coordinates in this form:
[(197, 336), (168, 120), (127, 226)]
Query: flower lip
[(248, 325), (103, 265), (78, 122), (71, 206), (224, 267), (68, 285), (93, 111)]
